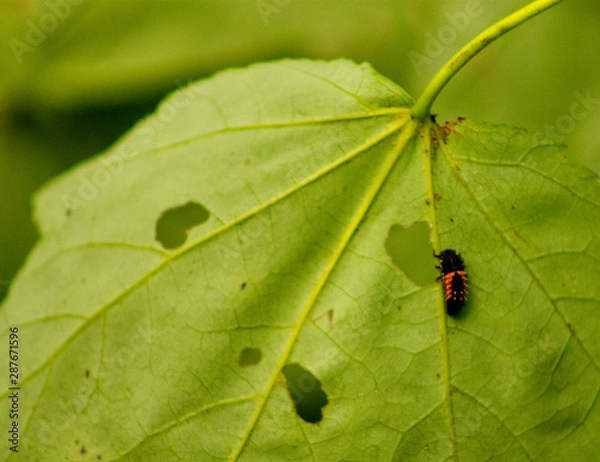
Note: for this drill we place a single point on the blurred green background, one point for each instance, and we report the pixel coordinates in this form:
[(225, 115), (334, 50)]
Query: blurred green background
[(75, 74)]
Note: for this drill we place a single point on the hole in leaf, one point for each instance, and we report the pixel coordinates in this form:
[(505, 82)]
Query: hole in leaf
[(174, 223), (249, 356), (306, 392), (410, 250), (87, 373), (243, 285)]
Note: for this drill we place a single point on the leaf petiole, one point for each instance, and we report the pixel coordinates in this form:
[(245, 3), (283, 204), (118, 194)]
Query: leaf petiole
[(422, 107)]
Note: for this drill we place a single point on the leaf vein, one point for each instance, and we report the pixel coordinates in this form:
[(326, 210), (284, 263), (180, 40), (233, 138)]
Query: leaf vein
[(464, 184)]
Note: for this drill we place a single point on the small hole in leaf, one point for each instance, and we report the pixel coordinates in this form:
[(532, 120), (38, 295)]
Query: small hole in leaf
[(249, 356), (306, 392), (410, 250), (243, 285), (174, 224)]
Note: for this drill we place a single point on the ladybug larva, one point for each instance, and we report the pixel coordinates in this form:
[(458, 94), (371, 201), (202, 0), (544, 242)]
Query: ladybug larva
[(455, 280)]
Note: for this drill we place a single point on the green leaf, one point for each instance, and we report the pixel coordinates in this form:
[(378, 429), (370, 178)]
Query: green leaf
[(281, 328)]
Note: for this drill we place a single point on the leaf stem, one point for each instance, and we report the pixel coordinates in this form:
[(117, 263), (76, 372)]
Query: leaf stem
[(422, 107)]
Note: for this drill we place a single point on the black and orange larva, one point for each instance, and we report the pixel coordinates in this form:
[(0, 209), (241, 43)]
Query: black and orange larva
[(455, 280)]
